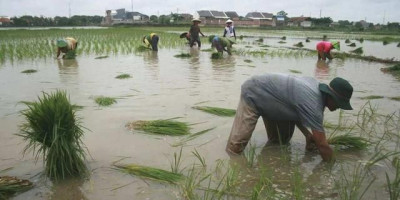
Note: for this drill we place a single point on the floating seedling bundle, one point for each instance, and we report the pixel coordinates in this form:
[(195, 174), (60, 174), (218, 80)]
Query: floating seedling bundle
[(53, 130), (358, 51), (307, 39), (71, 54), (183, 55), (105, 101), (283, 38), (161, 127), (347, 41), (29, 71), (10, 185), (123, 76), (260, 40), (151, 173), (101, 57), (300, 44), (216, 55), (385, 42), (352, 44), (370, 97), (224, 112), (348, 141), (142, 48)]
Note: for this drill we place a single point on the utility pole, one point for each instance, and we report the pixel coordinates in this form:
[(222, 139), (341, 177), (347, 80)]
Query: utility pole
[(69, 9), (320, 13), (132, 4), (384, 15)]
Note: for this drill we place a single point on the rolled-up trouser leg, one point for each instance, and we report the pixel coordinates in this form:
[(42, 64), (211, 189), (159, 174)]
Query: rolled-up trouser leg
[(243, 126), (279, 132)]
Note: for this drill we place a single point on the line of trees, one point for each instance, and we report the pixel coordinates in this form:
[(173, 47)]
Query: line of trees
[(76, 20)]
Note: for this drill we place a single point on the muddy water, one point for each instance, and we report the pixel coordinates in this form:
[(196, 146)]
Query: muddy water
[(162, 87)]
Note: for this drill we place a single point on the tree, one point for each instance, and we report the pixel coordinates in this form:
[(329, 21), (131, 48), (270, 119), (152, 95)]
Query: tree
[(282, 13), (154, 18)]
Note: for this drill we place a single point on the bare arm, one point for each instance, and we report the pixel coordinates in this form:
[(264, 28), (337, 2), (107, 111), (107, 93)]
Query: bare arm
[(325, 150), (310, 144), (58, 52)]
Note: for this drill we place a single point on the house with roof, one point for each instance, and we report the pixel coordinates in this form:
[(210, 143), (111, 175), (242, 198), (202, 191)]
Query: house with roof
[(300, 21), (262, 18), (120, 16), (211, 17), (4, 20), (232, 15)]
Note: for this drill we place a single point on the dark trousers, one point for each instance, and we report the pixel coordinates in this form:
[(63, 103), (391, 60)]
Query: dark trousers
[(193, 40), (154, 42)]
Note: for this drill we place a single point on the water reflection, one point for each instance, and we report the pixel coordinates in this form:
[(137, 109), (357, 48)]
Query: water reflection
[(151, 58), (322, 70), (195, 57), (68, 189), (68, 69)]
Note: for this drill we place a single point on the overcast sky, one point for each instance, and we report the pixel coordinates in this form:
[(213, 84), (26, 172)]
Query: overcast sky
[(376, 11)]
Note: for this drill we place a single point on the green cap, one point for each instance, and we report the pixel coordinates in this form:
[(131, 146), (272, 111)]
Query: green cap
[(336, 45), (210, 38), (61, 43), (340, 90)]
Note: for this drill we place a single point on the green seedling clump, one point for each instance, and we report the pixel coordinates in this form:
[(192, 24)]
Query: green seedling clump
[(358, 51), (352, 44), (385, 42), (183, 55), (207, 50), (300, 44), (161, 127), (348, 141), (71, 54), (29, 71), (395, 98), (307, 39), (398, 45), (123, 76), (10, 185), (248, 61), (101, 57), (347, 41), (53, 130), (283, 38), (361, 40), (241, 37), (325, 37), (142, 48), (281, 42), (372, 97), (260, 40), (265, 45), (105, 101), (151, 173), (224, 112), (216, 55), (295, 71)]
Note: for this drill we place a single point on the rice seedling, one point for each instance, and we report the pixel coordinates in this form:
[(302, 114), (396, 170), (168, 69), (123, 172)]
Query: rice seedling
[(394, 185), (151, 173), (29, 71), (260, 40), (183, 55), (247, 61), (398, 45), (300, 44), (216, 55), (224, 112), (53, 130), (347, 41), (176, 163), (358, 51), (352, 45), (298, 187), (370, 97), (295, 71), (105, 101), (241, 37), (247, 46), (207, 50), (283, 38), (10, 185), (250, 155), (190, 137), (161, 127), (395, 98), (101, 57), (123, 76), (71, 54), (361, 40), (385, 42), (282, 42), (263, 188), (325, 37), (265, 46), (348, 141), (307, 39), (142, 48), (199, 157)]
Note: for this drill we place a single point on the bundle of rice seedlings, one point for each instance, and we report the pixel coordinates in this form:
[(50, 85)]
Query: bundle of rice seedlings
[(265, 45), (248, 61), (151, 173), (162, 127), (324, 37), (348, 141), (358, 51), (241, 37), (71, 54), (53, 130), (207, 50), (395, 98), (123, 76), (283, 38), (352, 44), (300, 44), (142, 48), (224, 112), (398, 45), (385, 42), (216, 55), (307, 39), (101, 57), (281, 42), (372, 97), (105, 101), (361, 40), (10, 185), (347, 41), (295, 71), (29, 71), (183, 55), (260, 40)]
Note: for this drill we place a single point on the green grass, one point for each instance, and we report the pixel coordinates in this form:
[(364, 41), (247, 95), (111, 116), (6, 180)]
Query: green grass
[(29, 71), (123, 76), (295, 71), (105, 101), (348, 141), (358, 51), (372, 97), (207, 50), (183, 55), (11, 185), (151, 173), (161, 127), (223, 112), (52, 129)]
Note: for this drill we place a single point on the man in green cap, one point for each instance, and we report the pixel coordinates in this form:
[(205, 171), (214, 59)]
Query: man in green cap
[(324, 49), (66, 45), (221, 43), (284, 101)]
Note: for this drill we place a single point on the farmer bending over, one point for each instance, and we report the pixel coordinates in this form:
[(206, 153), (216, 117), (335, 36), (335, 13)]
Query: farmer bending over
[(221, 44), (185, 35), (194, 33), (151, 40), (324, 49), (66, 45), (284, 101)]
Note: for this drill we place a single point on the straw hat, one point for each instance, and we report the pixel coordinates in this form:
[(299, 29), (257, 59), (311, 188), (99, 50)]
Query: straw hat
[(340, 90), (228, 21), (196, 20)]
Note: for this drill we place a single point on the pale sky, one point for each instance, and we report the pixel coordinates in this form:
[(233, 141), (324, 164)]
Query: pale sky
[(375, 11)]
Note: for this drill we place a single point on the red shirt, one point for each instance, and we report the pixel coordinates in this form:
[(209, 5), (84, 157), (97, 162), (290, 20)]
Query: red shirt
[(324, 46)]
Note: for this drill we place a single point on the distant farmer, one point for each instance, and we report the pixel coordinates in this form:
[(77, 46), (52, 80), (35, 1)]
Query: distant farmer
[(229, 29), (324, 49), (151, 40), (66, 45), (194, 33), (185, 35), (221, 43), (284, 101)]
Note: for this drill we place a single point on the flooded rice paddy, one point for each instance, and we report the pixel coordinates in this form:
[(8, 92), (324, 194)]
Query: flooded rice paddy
[(163, 87)]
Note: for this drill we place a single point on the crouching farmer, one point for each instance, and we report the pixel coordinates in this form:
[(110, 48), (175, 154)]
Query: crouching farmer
[(221, 44), (284, 101), (66, 45), (151, 40)]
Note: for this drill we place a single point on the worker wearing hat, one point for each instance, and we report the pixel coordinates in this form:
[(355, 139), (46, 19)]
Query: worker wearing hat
[(151, 40), (229, 30), (324, 49), (221, 43), (194, 33), (65, 45), (284, 101)]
